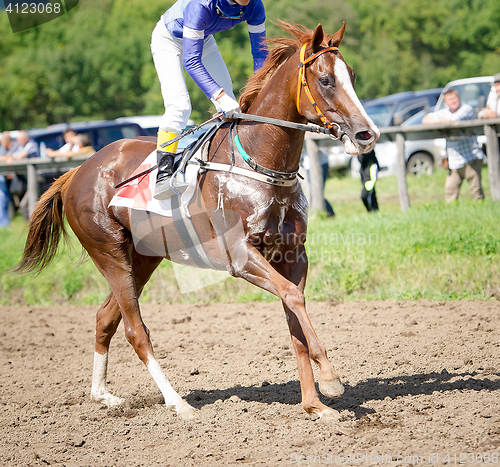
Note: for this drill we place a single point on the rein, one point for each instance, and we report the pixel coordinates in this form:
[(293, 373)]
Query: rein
[(310, 127)]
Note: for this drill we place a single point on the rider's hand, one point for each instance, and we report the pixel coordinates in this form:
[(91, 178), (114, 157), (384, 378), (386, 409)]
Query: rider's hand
[(226, 104)]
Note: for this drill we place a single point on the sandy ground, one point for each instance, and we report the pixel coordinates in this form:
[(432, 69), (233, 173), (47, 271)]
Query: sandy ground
[(422, 387)]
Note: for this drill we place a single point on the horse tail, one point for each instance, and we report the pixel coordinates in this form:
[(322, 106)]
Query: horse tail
[(46, 225)]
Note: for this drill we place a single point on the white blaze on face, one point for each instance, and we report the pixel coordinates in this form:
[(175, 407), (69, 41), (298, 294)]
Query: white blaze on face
[(342, 77)]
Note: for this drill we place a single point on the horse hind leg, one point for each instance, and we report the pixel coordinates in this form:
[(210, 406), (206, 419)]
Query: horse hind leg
[(127, 274), (107, 321)]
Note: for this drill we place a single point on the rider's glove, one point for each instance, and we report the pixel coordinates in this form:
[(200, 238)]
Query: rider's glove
[(226, 104)]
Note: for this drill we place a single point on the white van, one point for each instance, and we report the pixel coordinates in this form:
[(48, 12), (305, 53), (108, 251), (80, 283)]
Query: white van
[(472, 91)]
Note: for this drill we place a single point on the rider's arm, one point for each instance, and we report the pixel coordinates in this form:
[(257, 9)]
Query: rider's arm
[(465, 112), (196, 20), (193, 49), (258, 43), (257, 32)]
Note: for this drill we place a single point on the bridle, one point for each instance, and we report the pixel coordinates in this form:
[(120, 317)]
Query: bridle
[(302, 83)]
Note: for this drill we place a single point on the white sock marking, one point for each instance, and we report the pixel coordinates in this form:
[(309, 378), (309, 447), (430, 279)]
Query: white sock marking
[(172, 400), (99, 391)]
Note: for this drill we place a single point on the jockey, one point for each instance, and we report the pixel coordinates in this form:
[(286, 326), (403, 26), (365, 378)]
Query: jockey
[(184, 36)]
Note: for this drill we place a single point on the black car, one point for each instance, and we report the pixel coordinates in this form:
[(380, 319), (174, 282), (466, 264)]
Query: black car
[(397, 108), (100, 133)]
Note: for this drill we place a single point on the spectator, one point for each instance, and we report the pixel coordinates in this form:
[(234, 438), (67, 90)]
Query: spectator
[(84, 146), (82, 142), (71, 146), (465, 157), (323, 160), (7, 145), (27, 148), (368, 170), (492, 109)]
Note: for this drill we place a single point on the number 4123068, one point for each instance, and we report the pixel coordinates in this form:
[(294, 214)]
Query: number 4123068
[(471, 458), (26, 8)]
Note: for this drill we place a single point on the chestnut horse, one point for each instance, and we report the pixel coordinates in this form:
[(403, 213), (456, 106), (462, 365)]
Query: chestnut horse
[(273, 218)]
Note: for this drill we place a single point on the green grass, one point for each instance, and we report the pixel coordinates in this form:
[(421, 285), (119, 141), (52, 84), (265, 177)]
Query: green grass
[(435, 250)]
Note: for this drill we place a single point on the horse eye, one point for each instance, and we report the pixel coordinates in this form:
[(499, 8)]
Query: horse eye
[(324, 80)]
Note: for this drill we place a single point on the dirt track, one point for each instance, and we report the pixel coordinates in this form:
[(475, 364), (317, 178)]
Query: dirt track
[(422, 379)]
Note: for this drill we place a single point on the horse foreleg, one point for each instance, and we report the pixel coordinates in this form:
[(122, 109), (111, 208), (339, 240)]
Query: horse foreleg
[(310, 399), (306, 344), (329, 379)]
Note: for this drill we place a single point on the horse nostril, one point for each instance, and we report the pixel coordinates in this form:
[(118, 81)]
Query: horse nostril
[(364, 135)]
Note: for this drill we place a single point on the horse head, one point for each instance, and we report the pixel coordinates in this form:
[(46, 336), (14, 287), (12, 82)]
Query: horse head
[(325, 93)]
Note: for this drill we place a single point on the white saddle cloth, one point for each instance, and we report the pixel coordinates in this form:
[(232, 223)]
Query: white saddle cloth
[(138, 194)]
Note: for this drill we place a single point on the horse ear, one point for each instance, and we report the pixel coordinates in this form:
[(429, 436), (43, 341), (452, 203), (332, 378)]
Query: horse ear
[(336, 39), (317, 37)]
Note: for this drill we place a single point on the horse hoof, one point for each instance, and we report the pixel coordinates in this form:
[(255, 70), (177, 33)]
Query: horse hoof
[(329, 415), (107, 399), (332, 388), (187, 413)]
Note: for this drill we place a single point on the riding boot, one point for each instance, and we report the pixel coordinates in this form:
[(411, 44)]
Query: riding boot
[(165, 157)]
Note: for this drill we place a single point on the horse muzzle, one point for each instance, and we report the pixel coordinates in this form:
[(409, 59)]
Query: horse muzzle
[(363, 141)]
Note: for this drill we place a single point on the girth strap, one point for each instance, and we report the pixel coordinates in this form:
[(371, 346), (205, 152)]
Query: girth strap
[(187, 233), (243, 172)]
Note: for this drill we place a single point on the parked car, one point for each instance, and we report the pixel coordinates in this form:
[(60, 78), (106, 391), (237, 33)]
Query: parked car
[(151, 123), (388, 111), (101, 133), (472, 91), (397, 108)]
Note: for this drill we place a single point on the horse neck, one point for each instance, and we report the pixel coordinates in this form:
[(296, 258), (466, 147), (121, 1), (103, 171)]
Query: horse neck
[(272, 146)]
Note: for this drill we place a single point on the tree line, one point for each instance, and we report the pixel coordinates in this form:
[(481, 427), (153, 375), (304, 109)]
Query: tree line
[(95, 61)]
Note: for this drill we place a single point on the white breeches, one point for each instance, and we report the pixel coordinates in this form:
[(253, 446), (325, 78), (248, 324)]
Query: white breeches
[(167, 57)]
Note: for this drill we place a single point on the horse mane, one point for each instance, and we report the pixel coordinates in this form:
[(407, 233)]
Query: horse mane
[(284, 49)]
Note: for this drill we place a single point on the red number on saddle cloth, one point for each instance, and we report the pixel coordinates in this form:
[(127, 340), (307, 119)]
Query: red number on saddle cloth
[(140, 193)]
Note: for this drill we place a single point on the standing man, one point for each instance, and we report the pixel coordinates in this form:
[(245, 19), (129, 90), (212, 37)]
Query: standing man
[(368, 170), (492, 109), (465, 157), (7, 147), (183, 38)]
